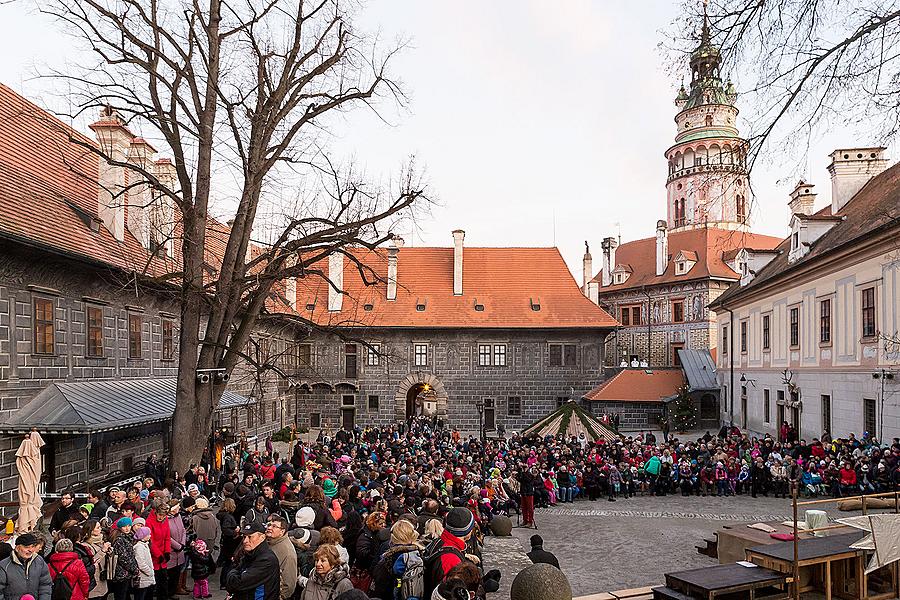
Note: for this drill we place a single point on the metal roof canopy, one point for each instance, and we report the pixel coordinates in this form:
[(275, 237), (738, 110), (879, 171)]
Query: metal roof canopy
[(699, 369), (105, 405)]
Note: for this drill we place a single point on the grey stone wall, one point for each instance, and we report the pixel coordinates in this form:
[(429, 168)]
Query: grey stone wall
[(633, 416)]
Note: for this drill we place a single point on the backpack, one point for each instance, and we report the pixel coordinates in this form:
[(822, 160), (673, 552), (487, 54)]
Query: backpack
[(410, 569), (434, 573), (62, 589)]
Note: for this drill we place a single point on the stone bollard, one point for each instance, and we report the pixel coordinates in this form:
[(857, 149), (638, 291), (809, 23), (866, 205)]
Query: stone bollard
[(501, 526), (540, 582)]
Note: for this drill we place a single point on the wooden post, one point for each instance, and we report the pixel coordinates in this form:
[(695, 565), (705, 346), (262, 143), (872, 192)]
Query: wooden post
[(828, 580), (796, 565)]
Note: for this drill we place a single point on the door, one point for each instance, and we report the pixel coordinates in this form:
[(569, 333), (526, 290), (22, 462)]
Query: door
[(347, 419), (743, 412), (709, 411), (490, 417)]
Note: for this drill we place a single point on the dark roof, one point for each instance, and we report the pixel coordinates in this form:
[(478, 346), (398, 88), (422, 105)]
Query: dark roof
[(699, 368), (875, 207), (95, 406)]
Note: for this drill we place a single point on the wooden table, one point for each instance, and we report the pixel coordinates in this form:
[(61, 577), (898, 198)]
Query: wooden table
[(710, 582), (839, 562)]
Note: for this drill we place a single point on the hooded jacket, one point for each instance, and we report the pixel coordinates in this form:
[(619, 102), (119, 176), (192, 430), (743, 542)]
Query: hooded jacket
[(329, 587), (18, 578), (257, 577), (69, 565)]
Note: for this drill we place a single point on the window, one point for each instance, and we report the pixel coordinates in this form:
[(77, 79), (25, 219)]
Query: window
[(635, 315), (765, 332), (514, 406), (373, 355), (626, 316), (96, 457), (94, 346), (868, 313), (304, 355), (563, 355), (274, 410), (560, 400), (679, 212), (499, 355), (725, 341), (350, 361), (795, 240), (250, 415), (826, 413), (767, 408), (744, 407), (234, 421), (43, 326), (741, 209), (484, 355), (262, 413), (676, 359), (825, 321), (348, 400), (420, 352), (135, 333), (744, 337), (373, 402), (168, 340), (315, 420), (678, 311), (869, 420), (795, 327)]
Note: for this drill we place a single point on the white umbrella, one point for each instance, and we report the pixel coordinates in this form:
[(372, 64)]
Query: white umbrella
[(28, 463)]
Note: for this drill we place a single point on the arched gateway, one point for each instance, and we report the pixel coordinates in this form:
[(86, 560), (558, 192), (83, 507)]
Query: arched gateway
[(420, 393)]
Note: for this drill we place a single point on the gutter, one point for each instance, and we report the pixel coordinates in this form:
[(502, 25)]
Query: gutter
[(730, 364)]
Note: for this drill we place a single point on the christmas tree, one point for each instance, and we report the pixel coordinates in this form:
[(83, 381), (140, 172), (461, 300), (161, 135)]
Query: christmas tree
[(683, 415)]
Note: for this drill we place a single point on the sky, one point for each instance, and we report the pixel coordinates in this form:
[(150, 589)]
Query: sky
[(537, 123)]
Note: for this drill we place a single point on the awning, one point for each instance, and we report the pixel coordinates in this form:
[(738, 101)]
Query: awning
[(699, 369), (105, 405)]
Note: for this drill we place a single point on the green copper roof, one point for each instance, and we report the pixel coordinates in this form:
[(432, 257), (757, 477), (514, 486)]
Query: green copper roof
[(705, 133)]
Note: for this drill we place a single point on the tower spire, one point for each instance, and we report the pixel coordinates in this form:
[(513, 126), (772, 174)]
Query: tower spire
[(704, 32)]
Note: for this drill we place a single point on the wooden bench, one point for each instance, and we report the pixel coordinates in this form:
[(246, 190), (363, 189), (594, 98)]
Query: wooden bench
[(666, 593), (603, 596), (643, 593)]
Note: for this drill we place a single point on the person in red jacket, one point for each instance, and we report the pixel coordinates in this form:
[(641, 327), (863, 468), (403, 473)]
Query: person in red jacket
[(160, 547), (849, 486), (65, 562)]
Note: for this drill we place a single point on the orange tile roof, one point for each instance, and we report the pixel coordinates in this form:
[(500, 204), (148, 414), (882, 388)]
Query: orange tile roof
[(505, 281), (49, 194), (638, 385), (710, 245)]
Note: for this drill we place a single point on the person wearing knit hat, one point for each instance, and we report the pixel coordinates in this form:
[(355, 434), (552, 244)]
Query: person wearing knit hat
[(144, 579), (123, 522), (459, 522), (66, 563), (305, 517), (458, 526), (329, 488)]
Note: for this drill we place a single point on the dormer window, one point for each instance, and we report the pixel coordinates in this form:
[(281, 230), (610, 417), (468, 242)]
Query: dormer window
[(685, 261), (535, 305), (621, 274), (420, 307)]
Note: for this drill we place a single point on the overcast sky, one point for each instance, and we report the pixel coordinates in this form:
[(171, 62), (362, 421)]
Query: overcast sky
[(525, 113)]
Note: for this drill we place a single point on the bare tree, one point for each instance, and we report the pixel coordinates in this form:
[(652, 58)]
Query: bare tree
[(240, 93), (805, 64)]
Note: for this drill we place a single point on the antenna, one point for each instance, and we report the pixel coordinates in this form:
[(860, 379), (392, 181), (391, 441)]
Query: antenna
[(554, 227)]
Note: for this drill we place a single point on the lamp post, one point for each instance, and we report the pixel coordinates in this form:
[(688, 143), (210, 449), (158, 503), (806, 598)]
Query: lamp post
[(479, 404)]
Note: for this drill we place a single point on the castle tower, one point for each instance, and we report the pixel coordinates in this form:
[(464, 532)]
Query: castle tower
[(707, 183)]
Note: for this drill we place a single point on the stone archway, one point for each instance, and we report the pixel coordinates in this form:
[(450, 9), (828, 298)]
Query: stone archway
[(413, 380)]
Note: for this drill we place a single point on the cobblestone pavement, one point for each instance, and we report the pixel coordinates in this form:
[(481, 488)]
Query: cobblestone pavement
[(603, 546)]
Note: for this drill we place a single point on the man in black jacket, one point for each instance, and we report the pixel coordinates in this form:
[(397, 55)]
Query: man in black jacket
[(539, 555), (526, 489), (258, 576), (65, 512)]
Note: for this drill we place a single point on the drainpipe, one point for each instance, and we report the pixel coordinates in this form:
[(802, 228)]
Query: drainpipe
[(649, 322), (730, 365)]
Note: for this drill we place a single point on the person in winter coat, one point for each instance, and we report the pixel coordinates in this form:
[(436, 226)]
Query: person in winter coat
[(202, 566), (367, 544), (277, 538), (126, 563), (259, 513), (257, 576), (539, 555), (177, 556), (231, 537), (142, 587), (315, 499), (160, 547), (404, 550), (330, 577), (66, 511), (25, 572), (65, 562), (205, 526), (92, 538)]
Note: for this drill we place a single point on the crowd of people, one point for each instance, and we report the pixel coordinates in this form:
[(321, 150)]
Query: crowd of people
[(392, 513)]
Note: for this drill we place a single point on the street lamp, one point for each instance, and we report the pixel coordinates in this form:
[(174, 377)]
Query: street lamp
[(479, 404)]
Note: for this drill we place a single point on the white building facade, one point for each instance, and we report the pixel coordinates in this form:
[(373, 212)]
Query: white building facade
[(809, 336)]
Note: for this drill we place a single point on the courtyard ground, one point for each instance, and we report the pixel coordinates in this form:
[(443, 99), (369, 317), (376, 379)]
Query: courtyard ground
[(604, 546)]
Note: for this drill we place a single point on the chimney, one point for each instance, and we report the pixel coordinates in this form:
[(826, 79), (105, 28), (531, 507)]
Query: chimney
[(140, 197), (593, 292), (803, 199), (850, 169), (162, 216), (114, 140), (290, 291), (336, 277), (393, 252), (608, 246), (662, 247), (458, 236), (587, 269)]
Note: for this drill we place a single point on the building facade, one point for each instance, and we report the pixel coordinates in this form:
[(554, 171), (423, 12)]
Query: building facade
[(809, 334), (659, 287)]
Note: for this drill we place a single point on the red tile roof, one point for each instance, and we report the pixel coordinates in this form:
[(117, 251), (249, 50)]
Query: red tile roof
[(638, 385), (49, 194), (710, 245), (507, 282)]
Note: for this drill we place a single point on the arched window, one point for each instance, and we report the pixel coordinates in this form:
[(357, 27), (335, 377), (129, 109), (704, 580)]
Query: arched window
[(741, 209), (679, 212), (709, 120)]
